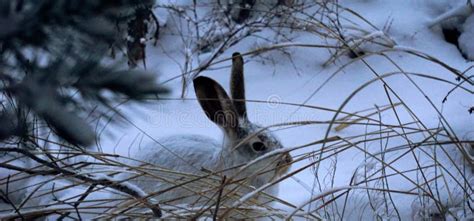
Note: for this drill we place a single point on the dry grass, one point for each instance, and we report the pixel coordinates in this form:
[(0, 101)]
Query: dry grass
[(439, 175)]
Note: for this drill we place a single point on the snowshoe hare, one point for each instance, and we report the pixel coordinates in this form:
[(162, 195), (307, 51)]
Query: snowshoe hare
[(243, 142)]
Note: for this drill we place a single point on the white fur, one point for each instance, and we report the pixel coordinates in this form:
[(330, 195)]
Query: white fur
[(196, 156), (190, 154)]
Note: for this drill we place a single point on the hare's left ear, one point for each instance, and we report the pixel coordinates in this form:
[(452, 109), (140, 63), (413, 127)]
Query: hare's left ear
[(216, 104), (237, 85)]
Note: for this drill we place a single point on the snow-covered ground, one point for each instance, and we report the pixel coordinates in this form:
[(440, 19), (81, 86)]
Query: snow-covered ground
[(302, 80), (413, 70)]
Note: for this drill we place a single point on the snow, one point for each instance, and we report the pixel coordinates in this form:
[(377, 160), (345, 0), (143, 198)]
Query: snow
[(15, 186), (132, 187), (307, 79), (460, 10), (272, 75), (465, 40)]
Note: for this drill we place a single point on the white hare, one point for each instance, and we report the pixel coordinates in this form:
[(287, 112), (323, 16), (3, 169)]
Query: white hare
[(243, 142)]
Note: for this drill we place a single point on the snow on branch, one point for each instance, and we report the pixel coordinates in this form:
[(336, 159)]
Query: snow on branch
[(459, 11), (103, 180)]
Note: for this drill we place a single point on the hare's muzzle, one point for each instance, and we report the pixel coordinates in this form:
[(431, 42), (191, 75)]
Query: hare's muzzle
[(283, 165), (287, 158)]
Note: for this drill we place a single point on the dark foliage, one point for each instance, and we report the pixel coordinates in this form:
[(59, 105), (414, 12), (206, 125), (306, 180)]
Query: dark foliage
[(245, 8), (53, 65), (138, 28)]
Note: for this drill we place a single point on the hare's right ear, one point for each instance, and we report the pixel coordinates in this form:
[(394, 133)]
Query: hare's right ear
[(216, 104), (237, 85)]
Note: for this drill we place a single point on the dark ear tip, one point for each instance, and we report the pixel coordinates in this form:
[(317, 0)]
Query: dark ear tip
[(201, 79), (236, 55), (204, 83)]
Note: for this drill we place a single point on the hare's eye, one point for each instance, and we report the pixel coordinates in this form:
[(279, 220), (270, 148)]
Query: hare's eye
[(259, 146)]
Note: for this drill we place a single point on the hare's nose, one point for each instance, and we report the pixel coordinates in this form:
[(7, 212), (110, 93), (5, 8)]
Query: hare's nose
[(287, 158)]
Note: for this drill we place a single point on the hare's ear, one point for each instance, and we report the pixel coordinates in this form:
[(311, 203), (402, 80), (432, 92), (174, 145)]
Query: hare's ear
[(216, 104), (237, 85)]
